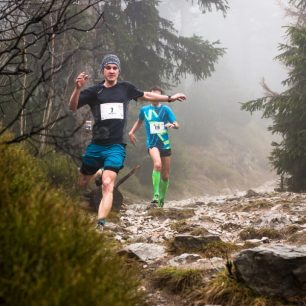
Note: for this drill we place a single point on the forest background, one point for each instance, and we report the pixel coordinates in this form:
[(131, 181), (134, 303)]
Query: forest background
[(219, 54)]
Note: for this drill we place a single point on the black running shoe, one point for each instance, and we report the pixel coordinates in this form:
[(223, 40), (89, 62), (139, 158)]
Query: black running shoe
[(100, 225)]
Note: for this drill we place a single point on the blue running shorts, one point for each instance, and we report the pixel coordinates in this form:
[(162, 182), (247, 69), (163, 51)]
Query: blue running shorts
[(109, 157)]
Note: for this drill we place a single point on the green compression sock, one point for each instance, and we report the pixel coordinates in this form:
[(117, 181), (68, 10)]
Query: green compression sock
[(163, 189), (155, 181)]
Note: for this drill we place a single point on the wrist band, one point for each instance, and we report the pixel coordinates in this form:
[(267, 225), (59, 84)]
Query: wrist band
[(169, 99)]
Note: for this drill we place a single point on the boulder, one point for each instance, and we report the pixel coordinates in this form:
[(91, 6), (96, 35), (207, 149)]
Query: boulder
[(277, 270), (195, 261)]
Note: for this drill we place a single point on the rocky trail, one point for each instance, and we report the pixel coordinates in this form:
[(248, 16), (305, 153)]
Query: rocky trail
[(202, 233)]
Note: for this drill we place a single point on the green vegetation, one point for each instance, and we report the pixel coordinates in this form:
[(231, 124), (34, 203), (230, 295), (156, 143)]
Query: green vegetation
[(258, 233), (178, 280), (180, 226), (208, 250), (288, 109), (224, 289), (50, 253), (59, 169)]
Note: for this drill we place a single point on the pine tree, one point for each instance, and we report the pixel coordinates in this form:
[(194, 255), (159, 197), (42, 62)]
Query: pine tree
[(288, 109)]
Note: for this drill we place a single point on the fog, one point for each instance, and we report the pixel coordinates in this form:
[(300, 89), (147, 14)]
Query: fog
[(250, 33), (211, 118)]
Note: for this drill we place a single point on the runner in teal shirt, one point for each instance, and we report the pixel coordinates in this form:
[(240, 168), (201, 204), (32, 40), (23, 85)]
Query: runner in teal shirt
[(158, 120)]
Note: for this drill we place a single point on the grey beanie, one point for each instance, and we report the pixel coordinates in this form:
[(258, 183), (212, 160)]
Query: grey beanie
[(110, 59)]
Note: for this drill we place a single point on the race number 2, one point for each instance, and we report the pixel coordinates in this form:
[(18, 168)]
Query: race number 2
[(111, 111)]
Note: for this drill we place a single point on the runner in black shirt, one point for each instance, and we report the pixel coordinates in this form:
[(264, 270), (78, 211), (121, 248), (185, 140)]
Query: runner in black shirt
[(109, 105)]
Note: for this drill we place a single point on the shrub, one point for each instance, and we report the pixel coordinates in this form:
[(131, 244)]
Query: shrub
[(60, 169), (177, 279), (49, 252)]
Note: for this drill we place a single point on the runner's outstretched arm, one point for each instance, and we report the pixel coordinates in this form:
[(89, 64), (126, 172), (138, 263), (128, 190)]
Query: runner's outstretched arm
[(135, 127), (155, 97)]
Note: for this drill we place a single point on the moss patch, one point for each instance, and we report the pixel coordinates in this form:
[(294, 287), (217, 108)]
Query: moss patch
[(298, 238), (178, 280), (226, 290), (171, 213), (258, 233), (180, 226), (257, 205), (207, 250), (183, 227)]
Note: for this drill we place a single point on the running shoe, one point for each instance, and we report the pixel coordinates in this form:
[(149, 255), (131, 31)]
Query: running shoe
[(100, 225), (154, 203)]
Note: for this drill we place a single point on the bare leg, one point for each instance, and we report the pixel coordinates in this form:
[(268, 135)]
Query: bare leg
[(108, 182), (155, 156)]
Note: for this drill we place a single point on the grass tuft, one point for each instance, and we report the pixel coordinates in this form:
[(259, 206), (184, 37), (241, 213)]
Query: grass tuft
[(258, 233), (177, 280), (224, 289), (208, 250)]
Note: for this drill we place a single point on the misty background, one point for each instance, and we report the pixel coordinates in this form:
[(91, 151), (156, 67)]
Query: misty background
[(219, 148)]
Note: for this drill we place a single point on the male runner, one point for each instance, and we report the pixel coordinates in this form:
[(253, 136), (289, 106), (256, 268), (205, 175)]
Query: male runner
[(158, 119), (108, 101)]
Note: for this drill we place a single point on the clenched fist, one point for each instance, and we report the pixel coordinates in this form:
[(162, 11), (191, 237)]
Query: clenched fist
[(81, 80)]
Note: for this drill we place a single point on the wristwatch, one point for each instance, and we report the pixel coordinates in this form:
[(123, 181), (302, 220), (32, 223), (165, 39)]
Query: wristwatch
[(169, 99)]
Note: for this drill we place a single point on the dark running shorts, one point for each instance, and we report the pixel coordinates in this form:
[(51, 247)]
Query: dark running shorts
[(163, 153), (109, 157)]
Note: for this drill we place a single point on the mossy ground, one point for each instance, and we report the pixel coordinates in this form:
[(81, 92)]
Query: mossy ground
[(258, 233), (224, 289), (208, 250), (171, 213), (177, 280)]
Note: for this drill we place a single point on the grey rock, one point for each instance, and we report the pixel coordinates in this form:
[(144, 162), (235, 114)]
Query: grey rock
[(251, 193), (184, 259), (265, 240), (146, 252), (253, 241), (274, 271), (195, 261), (274, 220)]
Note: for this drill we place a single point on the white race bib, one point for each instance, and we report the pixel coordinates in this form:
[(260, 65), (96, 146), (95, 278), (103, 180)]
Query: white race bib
[(111, 111), (157, 127)]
